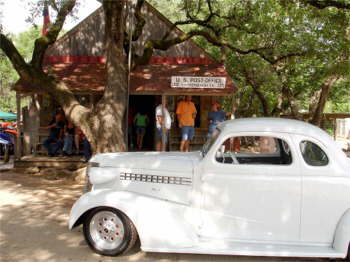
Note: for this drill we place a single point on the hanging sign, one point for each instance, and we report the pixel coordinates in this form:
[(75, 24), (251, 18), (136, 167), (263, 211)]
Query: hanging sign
[(197, 82)]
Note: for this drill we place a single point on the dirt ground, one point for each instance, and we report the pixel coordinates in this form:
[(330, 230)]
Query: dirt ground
[(34, 226)]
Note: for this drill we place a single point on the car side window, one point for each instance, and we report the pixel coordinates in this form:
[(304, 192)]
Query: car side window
[(265, 150), (313, 154)]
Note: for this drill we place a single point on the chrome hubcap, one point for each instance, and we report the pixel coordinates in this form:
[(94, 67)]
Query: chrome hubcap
[(107, 230)]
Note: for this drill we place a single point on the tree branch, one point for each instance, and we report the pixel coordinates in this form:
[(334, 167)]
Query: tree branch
[(15, 57), (41, 80), (139, 25), (166, 44), (204, 23), (42, 43), (140, 21), (321, 4), (54, 5)]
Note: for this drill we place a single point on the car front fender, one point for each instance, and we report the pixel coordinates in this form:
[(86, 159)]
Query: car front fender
[(159, 223), (100, 198), (342, 234)]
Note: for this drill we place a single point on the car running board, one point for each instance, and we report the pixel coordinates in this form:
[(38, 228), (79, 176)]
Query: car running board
[(253, 249)]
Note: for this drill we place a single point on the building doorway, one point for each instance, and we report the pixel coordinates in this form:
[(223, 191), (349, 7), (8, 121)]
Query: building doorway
[(147, 105)]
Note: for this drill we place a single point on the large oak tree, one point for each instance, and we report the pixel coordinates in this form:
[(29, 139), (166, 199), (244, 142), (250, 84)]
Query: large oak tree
[(242, 33), (103, 124), (313, 44)]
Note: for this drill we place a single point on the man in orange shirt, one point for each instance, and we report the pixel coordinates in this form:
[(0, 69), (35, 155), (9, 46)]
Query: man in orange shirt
[(186, 113)]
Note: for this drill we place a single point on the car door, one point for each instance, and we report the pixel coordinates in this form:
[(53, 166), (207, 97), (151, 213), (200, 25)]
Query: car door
[(325, 191), (256, 199)]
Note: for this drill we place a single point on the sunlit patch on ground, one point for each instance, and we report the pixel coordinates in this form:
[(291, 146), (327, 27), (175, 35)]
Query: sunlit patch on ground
[(34, 226)]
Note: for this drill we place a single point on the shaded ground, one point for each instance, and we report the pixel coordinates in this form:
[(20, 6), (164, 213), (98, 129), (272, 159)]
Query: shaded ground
[(33, 226), (5, 166)]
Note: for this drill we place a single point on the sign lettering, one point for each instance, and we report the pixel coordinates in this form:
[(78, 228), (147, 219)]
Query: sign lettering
[(197, 82)]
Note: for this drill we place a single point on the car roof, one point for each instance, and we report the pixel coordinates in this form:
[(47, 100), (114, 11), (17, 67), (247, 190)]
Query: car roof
[(266, 124)]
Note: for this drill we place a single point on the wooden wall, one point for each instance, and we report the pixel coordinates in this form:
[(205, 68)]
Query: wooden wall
[(87, 38), (156, 27)]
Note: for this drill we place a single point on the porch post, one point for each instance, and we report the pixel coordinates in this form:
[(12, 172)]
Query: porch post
[(36, 100), (163, 124), (18, 150)]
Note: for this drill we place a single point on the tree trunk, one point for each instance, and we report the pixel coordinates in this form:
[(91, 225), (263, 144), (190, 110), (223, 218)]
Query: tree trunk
[(104, 125), (317, 115), (108, 117), (261, 97), (257, 91), (291, 100)]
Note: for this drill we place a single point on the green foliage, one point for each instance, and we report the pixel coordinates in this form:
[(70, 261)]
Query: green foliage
[(25, 42), (315, 44), (8, 76)]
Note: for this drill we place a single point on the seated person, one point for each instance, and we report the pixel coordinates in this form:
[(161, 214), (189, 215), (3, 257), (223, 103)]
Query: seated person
[(54, 142), (69, 132)]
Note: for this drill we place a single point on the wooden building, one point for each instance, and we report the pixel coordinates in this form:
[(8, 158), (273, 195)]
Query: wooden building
[(78, 59)]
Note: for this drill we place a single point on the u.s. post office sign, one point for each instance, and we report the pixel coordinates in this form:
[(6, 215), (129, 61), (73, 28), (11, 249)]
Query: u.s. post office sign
[(197, 82)]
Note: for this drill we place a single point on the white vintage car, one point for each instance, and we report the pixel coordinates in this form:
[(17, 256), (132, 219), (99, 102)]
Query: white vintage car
[(259, 187)]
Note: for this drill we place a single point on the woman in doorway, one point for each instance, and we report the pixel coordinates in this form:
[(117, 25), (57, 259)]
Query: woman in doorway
[(141, 121)]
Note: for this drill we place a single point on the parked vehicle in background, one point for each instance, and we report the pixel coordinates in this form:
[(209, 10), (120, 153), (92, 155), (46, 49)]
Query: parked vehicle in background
[(7, 140), (259, 187)]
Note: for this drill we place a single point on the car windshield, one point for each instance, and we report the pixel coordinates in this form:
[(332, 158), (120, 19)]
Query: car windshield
[(210, 142)]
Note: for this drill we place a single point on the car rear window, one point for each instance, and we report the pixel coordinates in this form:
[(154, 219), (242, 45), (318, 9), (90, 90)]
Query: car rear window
[(313, 154)]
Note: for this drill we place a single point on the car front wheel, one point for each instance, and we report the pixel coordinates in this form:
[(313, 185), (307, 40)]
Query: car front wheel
[(109, 232)]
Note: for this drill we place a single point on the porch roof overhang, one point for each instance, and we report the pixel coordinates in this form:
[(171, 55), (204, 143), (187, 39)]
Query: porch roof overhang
[(153, 79), (156, 79)]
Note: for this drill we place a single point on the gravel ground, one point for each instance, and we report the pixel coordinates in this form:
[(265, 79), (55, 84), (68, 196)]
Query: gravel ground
[(33, 226)]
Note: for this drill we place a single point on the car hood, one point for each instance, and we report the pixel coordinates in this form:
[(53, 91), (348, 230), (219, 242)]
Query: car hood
[(167, 176), (166, 161)]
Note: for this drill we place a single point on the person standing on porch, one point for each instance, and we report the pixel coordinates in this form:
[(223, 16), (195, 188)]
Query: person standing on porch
[(160, 120), (141, 121), (215, 117), (186, 113)]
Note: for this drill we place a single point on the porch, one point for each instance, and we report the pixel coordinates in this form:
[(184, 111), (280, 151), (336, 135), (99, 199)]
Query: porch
[(70, 163)]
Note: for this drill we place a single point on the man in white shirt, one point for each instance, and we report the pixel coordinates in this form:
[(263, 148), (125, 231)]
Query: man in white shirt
[(160, 121)]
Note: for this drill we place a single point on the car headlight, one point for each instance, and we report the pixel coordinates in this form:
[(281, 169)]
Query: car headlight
[(88, 185)]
